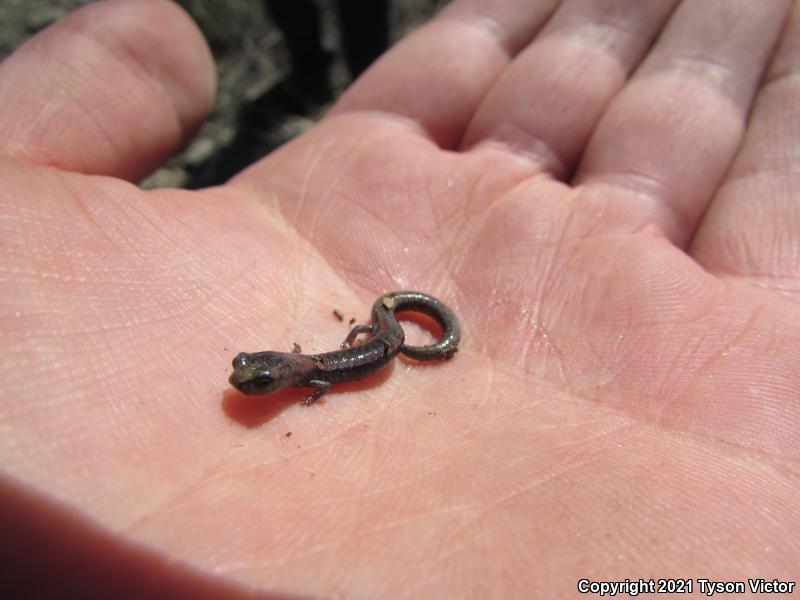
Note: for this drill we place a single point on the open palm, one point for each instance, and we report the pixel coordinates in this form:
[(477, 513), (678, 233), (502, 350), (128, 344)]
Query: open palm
[(604, 192)]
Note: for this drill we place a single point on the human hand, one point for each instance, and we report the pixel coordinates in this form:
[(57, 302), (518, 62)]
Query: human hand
[(583, 183)]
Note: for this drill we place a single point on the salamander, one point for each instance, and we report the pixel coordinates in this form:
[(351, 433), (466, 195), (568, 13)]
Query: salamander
[(265, 372)]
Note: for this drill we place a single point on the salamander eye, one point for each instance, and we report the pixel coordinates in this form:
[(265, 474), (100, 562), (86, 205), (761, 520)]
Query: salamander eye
[(252, 381), (240, 361), (262, 381)]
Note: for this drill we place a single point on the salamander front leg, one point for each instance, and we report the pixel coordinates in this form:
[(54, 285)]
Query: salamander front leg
[(322, 387), (354, 333)]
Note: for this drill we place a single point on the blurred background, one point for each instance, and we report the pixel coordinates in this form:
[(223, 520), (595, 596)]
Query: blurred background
[(280, 64)]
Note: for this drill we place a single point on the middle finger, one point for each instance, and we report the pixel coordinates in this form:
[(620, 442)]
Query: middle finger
[(547, 101)]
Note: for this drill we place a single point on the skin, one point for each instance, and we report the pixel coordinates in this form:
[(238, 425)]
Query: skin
[(608, 199)]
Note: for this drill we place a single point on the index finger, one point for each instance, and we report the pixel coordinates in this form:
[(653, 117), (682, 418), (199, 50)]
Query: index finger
[(438, 75)]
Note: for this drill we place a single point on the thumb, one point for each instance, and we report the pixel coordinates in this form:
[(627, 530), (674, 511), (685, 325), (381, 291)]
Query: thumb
[(113, 89)]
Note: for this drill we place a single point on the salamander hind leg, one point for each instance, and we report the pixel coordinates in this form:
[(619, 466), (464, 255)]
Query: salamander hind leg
[(322, 387), (354, 333)]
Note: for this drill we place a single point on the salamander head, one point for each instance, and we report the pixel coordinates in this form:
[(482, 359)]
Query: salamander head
[(264, 372)]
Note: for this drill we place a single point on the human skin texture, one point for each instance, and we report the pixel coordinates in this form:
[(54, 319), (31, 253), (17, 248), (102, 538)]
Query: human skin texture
[(606, 193)]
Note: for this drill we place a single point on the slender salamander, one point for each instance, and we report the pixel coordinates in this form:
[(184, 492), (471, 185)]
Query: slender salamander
[(265, 372)]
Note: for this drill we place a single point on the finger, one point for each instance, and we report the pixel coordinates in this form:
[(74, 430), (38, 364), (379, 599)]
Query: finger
[(752, 228), (113, 88), (546, 104), (664, 143), (438, 75)]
